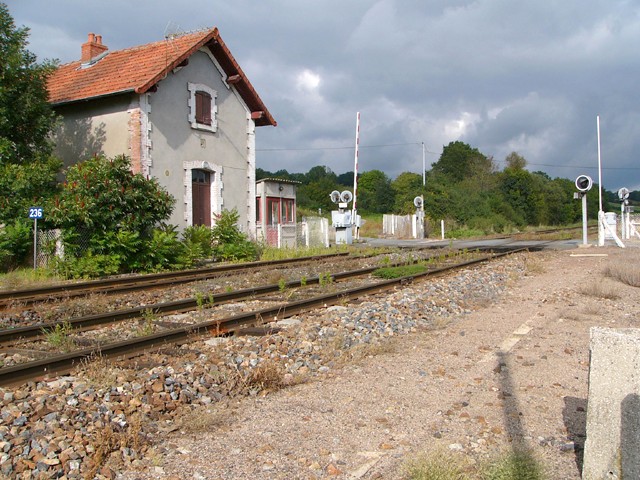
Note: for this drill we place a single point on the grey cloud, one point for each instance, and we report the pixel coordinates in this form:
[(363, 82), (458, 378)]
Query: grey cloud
[(412, 67)]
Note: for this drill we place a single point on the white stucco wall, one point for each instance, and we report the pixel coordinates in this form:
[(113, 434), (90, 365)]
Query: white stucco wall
[(176, 147), (90, 128)]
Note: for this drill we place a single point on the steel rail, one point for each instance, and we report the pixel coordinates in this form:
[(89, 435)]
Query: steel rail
[(61, 364), (12, 335), (121, 284)]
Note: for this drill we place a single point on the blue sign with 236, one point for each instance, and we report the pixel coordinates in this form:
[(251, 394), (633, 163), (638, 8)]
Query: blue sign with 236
[(36, 212)]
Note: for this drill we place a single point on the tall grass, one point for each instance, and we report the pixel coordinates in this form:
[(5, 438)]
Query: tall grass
[(625, 269), (449, 466), (27, 277)]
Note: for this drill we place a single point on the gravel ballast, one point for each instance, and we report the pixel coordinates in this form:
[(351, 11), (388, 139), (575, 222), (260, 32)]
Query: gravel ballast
[(350, 391)]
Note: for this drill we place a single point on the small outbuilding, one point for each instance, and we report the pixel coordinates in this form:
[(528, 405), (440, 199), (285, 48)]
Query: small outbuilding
[(276, 212)]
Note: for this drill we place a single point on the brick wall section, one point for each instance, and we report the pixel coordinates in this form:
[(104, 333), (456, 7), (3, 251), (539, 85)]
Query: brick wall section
[(135, 140)]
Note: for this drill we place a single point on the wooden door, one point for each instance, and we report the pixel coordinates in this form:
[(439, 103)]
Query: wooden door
[(201, 197)]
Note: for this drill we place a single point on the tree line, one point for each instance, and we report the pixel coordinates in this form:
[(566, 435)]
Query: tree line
[(464, 187)]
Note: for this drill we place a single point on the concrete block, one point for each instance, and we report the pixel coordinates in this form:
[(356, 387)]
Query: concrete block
[(612, 447)]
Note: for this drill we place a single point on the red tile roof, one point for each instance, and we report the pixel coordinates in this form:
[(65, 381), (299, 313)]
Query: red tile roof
[(138, 69)]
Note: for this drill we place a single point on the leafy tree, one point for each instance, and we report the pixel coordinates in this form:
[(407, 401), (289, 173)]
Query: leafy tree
[(515, 186), (315, 195), (22, 186), (515, 161), (27, 171), (375, 194), (320, 172), (26, 119), (437, 197), (346, 179), (456, 159), (406, 187), (318, 183)]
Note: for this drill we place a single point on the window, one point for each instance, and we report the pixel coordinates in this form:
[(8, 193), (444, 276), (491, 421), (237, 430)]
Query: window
[(287, 210), (202, 107), (280, 210)]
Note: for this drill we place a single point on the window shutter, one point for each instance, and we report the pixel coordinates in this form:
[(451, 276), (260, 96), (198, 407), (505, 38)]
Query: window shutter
[(203, 108)]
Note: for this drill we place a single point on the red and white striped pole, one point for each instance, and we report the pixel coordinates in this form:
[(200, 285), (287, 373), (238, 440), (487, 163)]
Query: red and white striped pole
[(354, 209)]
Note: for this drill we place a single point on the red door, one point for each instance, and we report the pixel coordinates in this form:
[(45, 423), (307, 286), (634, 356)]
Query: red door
[(201, 197)]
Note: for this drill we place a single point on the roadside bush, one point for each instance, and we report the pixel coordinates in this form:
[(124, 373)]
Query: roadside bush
[(229, 243), (15, 243), (198, 241), (164, 251), (109, 217), (493, 224), (89, 265)]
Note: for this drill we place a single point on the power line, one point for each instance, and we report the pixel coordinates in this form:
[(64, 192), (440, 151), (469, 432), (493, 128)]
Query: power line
[(574, 166), (298, 149), (302, 149)]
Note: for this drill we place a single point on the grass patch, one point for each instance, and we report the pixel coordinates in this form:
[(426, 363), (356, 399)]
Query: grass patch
[(114, 438), (371, 226), (268, 376), (438, 466), (533, 264), (27, 278), (448, 466), (624, 270), (200, 420), (60, 336), (98, 372), (273, 253), (401, 271), (598, 289), (514, 466)]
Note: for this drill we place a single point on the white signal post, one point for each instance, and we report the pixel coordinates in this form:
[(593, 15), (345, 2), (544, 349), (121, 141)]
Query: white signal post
[(600, 212), (354, 209), (424, 168)]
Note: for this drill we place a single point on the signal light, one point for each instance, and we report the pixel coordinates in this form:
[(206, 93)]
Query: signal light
[(584, 183)]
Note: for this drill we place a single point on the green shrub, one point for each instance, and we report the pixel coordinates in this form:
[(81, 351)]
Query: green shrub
[(165, 251), (199, 237), (15, 243), (108, 217), (89, 265), (229, 243)]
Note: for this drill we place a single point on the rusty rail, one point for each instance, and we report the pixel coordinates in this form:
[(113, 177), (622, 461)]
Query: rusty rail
[(61, 364)]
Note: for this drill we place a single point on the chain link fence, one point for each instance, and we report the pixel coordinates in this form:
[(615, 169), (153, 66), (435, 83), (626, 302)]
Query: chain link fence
[(50, 245)]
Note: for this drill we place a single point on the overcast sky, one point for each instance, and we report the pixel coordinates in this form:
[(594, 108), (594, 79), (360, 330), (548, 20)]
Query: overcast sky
[(529, 76)]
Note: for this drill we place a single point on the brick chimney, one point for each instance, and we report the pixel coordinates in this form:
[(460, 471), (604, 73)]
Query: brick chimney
[(92, 48)]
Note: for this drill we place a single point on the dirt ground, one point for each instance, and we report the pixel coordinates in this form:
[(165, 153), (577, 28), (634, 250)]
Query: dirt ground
[(512, 373)]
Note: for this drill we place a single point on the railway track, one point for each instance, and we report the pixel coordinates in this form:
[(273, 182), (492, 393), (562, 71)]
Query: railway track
[(59, 364), (141, 282)]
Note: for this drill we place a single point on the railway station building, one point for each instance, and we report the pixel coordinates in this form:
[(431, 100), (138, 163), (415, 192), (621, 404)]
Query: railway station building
[(181, 109)]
